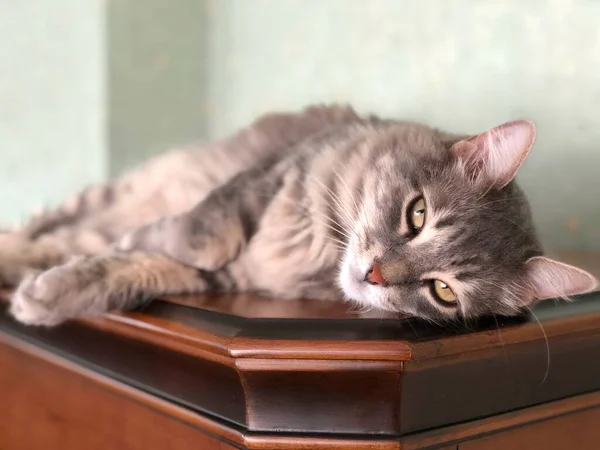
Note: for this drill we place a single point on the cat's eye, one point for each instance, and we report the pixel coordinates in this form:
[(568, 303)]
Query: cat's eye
[(443, 292), (416, 215)]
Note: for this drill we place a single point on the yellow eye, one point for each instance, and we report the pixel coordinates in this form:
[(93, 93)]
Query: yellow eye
[(416, 217), (443, 292)]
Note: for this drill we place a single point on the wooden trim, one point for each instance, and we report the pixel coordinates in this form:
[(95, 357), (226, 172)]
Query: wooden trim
[(319, 349), (354, 398), (170, 335), (315, 365), (260, 441), (399, 379), (257, 442), (205, 425), (198, 421), (496, 339), (160, 324), (502, 422), (222, 350)]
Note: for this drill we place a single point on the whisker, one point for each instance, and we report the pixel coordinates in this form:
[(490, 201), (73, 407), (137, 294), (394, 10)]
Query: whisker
[(359, 308), (500, 337), (334, 197), (337, 241), (345, 185), (333, 228), (500, 200), (360, 210), (411, 326), (313, 214), (506, 219), (545, 340), (518, 301)]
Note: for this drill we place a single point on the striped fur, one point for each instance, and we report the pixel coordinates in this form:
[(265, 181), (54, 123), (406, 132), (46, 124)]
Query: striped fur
[(295, 205)]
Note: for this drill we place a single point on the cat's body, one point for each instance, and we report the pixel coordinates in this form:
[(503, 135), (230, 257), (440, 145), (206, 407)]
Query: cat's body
[(314, 204)]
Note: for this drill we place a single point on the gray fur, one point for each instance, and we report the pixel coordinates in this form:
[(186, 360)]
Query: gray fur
[(295, 205)]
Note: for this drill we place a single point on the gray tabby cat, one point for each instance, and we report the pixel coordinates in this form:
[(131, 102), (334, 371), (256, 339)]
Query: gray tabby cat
[(321, 204)]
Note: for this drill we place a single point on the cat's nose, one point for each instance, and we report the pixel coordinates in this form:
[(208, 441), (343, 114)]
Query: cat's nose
[(374, 276)]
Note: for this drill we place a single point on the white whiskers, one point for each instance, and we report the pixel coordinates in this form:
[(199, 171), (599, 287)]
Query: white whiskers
[(546, 341)]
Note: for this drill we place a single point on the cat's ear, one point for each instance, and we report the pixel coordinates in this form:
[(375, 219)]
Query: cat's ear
[(553, 279), (495, 156)]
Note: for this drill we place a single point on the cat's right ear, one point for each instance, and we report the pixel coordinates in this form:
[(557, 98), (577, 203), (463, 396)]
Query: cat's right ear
[(552, 279), (495, 156)]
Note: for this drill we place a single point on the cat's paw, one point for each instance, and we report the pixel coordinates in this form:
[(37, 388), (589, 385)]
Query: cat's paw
[(47, 298)]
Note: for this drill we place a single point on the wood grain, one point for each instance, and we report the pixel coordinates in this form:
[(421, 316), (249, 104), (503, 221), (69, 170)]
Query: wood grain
[(399, 376), (298, 395), (505, 423), (319, 349), (56, 405), (70, 407), (322, 443), (575, 431)]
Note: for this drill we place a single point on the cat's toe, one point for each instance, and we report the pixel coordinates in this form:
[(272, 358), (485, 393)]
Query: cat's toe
[(28, 308), (37, 301)]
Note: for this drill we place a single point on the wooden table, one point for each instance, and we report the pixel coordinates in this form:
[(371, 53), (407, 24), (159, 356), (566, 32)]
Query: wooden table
[(220, 372)]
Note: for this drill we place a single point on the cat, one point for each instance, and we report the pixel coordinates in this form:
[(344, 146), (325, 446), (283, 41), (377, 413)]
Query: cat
[(321, 203)]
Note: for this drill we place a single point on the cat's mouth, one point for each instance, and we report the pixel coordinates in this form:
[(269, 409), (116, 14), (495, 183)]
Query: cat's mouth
[(353, 284)]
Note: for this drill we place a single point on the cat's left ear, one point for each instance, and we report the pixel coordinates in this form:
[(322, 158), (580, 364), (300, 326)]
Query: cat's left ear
[(553, 279), (495, 156)]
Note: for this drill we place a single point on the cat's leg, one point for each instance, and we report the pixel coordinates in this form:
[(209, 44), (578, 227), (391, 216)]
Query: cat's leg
[(93, 285), (179, 254), (208, 243), (88, 201), (94, 218), (166, 184), (19, 255), (216, 231)]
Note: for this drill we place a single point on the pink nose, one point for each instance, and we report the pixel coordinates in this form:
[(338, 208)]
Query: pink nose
[(374, 275)]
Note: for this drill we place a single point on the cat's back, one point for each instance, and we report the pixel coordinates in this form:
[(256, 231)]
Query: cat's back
[(205, 165)]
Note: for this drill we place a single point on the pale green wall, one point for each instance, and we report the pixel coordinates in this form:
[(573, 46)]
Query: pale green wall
[(156, 77), (52, 114), (463, 65), (202, 68)]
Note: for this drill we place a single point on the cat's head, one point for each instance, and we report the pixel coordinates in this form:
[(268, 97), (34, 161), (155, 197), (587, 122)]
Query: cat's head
[(444, 232)]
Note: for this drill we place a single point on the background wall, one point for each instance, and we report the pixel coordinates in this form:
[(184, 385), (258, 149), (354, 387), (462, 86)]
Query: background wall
[(52, 101), (183, 69), (156, 67)]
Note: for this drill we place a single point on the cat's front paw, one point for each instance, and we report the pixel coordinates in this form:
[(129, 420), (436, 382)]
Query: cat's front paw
[(47, 298)]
